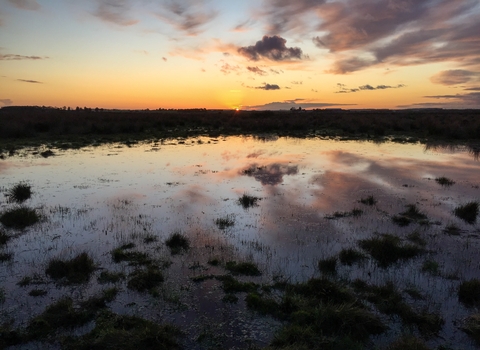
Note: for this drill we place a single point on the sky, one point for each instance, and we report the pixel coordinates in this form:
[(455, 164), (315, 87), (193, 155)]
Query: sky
[(240, 54)]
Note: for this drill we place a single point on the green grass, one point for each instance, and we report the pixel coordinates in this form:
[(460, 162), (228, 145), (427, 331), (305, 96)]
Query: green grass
[(328, 266), (243, 268), (110, 277), (77, 270), (144, 280), (412, 214), (19, 193), (387, 249), (225, 222), (19, 218), (177, 243), (350, 256), (469, 292), (444, 181), (467, 212), (370, 200), (248, 201), (431, 267)]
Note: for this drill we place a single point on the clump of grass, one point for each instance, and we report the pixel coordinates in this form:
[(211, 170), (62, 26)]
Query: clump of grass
[(471, 326), (114, 331), (230, 298), (214, 262), (350, 256), (248, 201), (230, 285), (370, 200), (388, 249), (431, 267), (19, 218), (177, 242), (110, 277), (225, 222), (452, 230), (19, 193), (408, 343), (150, 238), (416, 237), (328, 266), (243, 268), (37, 292), (467, 212), (134, 258), (5, 257), (75, 271), (2, 295), (143, 280), (408, 216), (4, 238), (355, 212), (47, 153), (444, 181), (469, 292), (36, 279)]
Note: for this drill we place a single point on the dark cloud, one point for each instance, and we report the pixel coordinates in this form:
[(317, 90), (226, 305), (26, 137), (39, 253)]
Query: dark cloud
[(272, 48), (288, 104), (471, 99), (268, 87), (10, 57), (6, 101), (30, 81), (257, 70), (271, 174), (189, 16), (115, 11), (452, 77), (25, 4), (343, 89), (477, 88)]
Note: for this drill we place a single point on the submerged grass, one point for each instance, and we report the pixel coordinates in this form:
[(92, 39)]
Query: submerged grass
[(444, 181), (225, 222), (144, 280), (19, 218), (74, 271), (387, 249), (177, 242), (134, 258), (467, 212), (248, 201), (19, 193)]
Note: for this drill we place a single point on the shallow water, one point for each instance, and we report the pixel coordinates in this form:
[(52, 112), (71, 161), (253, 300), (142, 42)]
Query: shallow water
[(96, 199)]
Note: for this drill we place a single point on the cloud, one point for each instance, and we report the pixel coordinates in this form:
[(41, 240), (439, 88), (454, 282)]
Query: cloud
[(299, 102), (30, 81), (452, 77), (227, 69), (11, 57), (272, 48), (6, 101), (271, 174), (25, 4), (187, 15), (297, 82), (471, 99), (243, 27), (164, 59), (257, 70), (476, 88), (268, 87), (343, 89), (115, 11)]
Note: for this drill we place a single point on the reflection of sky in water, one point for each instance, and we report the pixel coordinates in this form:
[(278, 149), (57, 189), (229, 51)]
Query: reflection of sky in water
[(96, 198)]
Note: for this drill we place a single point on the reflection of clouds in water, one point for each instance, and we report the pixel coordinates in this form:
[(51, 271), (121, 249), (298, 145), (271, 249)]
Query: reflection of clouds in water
[(193, 198), (271, 174), (256, 154)]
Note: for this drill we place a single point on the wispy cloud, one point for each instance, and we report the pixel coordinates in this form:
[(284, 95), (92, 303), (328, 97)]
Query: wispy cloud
[(115, 11), (30, 81), (273, 48), (11, 57), (227, 68), (298, 102), (453, 77), (257, 70), (268, 87), (471, 99), (343, 89), (32, 5), (6, 101)]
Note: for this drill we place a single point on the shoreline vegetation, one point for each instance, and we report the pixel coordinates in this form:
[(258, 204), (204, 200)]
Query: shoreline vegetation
[(68, 129)]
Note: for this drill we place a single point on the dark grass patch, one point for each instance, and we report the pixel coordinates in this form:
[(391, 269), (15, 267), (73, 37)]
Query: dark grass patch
[(388, 249), (243, 268), (202, 278), (177, 242), (75, 271), (471, 326), (37, 292), (2, 296), (19, 193), (127, 246), (4, 257), (431, 267), (225, 222), (412, 214), (414, 294), (416, 237), (19, 218), (370, 200), (467, 212), (408, 343), (134, 258), (149, 238), (47, 153), (350, 256), (444, 181), (248, 201), (230, 298), (469, 292), (144, 280), (345, 214), (110, 277), (4, 238), (36, 279), (230, 285), (214, 262), (328, 266), (452, 230), (114, 331)]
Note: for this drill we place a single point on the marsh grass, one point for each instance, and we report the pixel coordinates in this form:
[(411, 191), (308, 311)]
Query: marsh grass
[(469, 292), (408, 342), (134, 258), (230, 298), (77, 270), (144, 280), (214, 262), (412, 214), (19, 218), (350, 256), (225, 222), (177, 243), (36, 279), (19, 193), (431, 267), (5, 256), (110, 277), (471, 326), (444, 181), (387, 249), (370, 200), (452, 230), (4, 238), (37, 292), (328, 266), (416, 237), (243, 268), (248, 201), (467, 212), (355, 212), (230, 285)]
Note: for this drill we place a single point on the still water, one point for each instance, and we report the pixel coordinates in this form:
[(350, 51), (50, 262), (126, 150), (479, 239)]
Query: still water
[(96, 199)]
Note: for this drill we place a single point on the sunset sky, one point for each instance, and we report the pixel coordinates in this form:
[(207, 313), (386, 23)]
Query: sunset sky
[(248, 54)]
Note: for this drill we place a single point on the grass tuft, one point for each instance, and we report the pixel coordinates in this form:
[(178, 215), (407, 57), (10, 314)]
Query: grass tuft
[(177, 242), (110, 277), (370, 200), (4, 238), (19, 218), (75, 271), (133, 258), (19, 193), (452, 230), (143, 280), (243, 268), (408, 343), (467, 212), (248, 201), (5, 257), (350, 256), (37, 292), (328, 266), (412, 214), (225, 222), (471, 326), (431, 267), (469, 292), (444, 181)]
